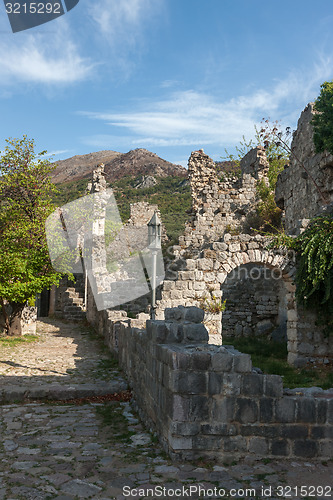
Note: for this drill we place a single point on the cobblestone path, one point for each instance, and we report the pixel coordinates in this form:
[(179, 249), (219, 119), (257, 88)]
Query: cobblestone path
[(57, 451)]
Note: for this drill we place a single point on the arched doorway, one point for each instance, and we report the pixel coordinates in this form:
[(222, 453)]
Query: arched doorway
[(256, 302)]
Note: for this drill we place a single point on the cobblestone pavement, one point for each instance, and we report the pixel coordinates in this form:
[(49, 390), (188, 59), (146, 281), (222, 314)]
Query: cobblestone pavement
[(101, 451), (68, 361)]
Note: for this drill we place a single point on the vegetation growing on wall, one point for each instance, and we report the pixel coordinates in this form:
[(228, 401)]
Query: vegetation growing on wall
[(267, 214), (323, 121), (314, 277)]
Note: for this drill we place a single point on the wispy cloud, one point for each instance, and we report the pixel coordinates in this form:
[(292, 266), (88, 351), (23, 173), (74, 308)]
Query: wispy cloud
[(123, 22), (58, 152), (42, 58), (192, 118)]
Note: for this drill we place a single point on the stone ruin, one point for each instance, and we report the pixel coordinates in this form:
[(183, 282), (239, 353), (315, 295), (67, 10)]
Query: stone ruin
[(207, 400), (217, 259)]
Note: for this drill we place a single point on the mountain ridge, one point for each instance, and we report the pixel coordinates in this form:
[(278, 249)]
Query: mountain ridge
[(135, 162)]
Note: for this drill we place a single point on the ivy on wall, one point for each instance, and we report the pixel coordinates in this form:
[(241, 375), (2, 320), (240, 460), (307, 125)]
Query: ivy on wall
[(314, 277)]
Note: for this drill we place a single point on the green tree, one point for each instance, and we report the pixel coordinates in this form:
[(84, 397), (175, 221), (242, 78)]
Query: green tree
[(25, 203), (323, 120)]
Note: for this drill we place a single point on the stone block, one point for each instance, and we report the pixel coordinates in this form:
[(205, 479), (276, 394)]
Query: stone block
[(223, 410), (326, 449), (246, 411), (200, 361), (181, 360), (220, 246), (158, 331), (292, 315), (168, 285), (195, 333), (252, 384), (173, 314), (188, 382), (215, 383), (305, 448), (180, 443), (221, 277), (205, 264), (266, 410), (280, 447), (194, 314), (330, 411), (180, 408), (209, 443), (199, 409), (306, 410), (322, 432), (222, 361), (285, 410), (185, 428), (219, 429), (231, 384), (174, 333), (191, 264), (234, 444), (258, 445), (242, 363), (234, 247), (294, 431), (273, 386)]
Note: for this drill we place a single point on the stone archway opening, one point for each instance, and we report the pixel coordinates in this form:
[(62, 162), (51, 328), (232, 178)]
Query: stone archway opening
[(256, 302)]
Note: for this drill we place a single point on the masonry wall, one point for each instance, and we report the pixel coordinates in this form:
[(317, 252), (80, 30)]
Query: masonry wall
[(296, 192), (206, 401)]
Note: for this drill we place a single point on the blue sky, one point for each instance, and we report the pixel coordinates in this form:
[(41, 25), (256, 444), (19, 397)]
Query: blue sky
[(171, 76)]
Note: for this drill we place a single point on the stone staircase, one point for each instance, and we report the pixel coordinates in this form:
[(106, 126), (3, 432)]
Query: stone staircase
[(73, 301)]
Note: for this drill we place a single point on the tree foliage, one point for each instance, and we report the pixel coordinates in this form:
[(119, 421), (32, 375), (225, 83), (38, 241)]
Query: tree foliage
[(323, 120), (25, 203)]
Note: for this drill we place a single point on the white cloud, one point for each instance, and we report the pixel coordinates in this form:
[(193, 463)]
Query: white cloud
[(192, 118), (58, 152), (122, 22), (42, 57)]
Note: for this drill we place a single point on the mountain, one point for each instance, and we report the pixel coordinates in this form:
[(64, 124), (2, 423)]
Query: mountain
[(138, 162)]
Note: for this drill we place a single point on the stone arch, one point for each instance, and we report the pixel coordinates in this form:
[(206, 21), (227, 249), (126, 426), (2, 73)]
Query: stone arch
[(285, 271), (202, 275)]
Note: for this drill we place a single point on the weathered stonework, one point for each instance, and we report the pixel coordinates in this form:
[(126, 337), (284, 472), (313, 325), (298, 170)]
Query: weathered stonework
[(207, 401), (205, 275), (217, 205), (296, 192)]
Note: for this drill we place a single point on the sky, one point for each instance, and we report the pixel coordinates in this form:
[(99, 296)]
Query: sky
[(171, 76)]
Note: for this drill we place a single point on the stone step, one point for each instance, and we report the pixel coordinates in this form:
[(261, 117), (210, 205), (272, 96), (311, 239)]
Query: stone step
[(74, 294), (76, 300), (72, 308), (18, 393)]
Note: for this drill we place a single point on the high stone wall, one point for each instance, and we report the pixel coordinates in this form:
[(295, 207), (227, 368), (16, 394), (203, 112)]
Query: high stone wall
[(296, 192)]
